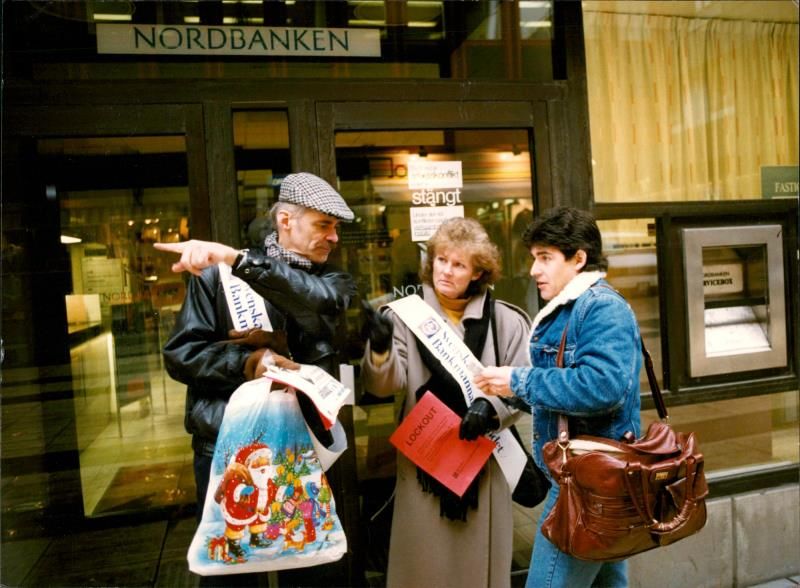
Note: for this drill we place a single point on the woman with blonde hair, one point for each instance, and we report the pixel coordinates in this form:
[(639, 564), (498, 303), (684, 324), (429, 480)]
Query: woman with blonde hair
[(438, 538)]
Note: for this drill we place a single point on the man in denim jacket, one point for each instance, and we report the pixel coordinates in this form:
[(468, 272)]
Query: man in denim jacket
[(598, 387)]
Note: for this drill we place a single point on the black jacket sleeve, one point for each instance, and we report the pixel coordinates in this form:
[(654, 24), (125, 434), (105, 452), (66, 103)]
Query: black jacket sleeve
[(315, 300), (196, 353)]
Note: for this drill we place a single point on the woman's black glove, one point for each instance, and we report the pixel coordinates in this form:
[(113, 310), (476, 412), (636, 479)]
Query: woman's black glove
[(480, 418), (377, 328)]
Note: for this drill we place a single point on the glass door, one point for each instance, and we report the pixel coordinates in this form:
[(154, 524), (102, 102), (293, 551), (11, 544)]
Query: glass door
[(87, 305), (116, 197), (404, 169)]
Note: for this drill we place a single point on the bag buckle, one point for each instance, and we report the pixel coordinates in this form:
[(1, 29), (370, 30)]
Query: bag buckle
[(564, 446)]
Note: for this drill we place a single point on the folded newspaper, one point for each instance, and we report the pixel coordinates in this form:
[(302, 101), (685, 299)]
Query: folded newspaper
[(326, 392)]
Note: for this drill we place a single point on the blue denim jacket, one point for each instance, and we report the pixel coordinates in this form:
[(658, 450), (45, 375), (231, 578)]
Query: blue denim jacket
[(598, 388)]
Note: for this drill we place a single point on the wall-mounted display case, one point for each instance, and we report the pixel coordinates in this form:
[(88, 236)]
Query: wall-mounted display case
[(735, 298)]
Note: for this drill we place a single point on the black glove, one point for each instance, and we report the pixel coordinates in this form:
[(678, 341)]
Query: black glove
[(480, 418), (377, 328)]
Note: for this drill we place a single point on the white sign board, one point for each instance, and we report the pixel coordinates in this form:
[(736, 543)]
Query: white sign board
[(426, 219), (148, 39), (430, 175), (106, 277), (722, 278)]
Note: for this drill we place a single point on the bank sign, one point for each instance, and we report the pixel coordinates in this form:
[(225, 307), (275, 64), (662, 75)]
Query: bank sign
[(233, 40)]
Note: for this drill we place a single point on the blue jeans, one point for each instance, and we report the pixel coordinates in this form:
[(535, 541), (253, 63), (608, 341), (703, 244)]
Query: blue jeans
[(552, 568)]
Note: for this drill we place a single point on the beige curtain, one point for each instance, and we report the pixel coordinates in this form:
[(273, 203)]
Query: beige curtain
[(689, 109)]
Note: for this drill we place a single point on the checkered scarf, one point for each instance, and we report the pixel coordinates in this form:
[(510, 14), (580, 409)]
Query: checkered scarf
[(276, 251)]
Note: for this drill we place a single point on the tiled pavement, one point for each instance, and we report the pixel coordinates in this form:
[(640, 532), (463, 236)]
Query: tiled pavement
[(148, 554), (151, 554)]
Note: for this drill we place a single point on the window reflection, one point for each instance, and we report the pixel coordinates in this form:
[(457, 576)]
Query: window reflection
[(115, 197), (394, 216), (752, 432), (630, 246), (262, 158)]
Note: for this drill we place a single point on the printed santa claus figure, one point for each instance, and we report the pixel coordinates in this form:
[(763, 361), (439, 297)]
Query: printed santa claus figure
[(244, 495)]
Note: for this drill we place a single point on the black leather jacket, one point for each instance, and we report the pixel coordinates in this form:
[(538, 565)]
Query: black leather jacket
[(307, 304)]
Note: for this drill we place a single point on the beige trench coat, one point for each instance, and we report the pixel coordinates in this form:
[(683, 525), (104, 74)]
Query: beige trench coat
[(426, 549)]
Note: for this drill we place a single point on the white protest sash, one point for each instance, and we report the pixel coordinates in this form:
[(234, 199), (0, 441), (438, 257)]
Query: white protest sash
[(246, 307), (446, 346)]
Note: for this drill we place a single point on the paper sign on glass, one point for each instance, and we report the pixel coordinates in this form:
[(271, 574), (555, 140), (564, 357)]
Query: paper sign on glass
[(428, 436)]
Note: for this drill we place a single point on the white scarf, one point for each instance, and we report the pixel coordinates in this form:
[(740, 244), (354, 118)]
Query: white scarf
[(576, 286)]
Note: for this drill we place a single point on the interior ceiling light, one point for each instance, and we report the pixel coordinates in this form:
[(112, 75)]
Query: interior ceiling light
[(101, 16), (69, 240), (361, 22), (368, 10)]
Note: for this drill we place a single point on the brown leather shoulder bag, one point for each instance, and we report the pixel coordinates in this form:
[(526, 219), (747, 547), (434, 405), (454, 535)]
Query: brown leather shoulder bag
[(618, 498)]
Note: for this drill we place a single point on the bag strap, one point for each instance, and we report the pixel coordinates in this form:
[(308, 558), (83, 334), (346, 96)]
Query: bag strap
[(655, 389), (494, 330)]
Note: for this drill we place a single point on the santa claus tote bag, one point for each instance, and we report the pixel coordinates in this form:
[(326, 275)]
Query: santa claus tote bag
[(268, 506)]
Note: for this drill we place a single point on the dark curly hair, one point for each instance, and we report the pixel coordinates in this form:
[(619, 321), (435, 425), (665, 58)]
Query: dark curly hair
[(568, 230)]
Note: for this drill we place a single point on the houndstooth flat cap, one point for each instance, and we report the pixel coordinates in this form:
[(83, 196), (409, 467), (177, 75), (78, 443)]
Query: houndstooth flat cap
[(310, 191)]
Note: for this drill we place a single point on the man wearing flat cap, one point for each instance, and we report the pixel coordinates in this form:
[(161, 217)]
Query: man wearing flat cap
[(305, 298)]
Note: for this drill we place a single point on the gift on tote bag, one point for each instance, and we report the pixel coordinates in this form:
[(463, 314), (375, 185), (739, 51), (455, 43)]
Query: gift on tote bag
[(269, 505)]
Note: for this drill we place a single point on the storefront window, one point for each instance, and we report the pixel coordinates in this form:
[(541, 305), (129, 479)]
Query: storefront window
[(752, 434), (691, 101), (88, 309), (261, 151), (630, 246)]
